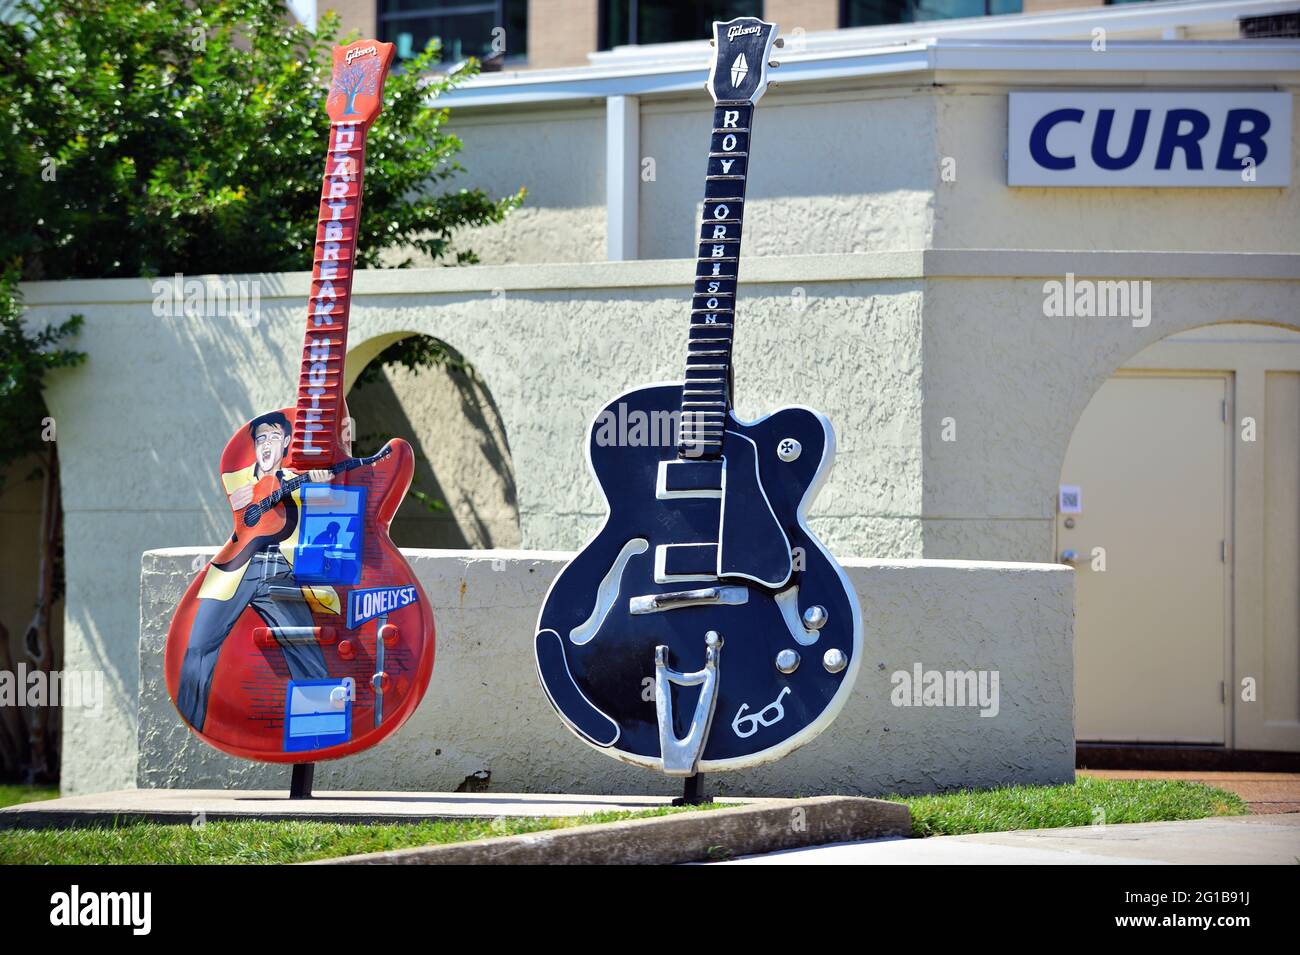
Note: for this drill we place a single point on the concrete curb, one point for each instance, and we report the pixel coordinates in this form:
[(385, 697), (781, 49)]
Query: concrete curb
[(767, 826), (183, 806)]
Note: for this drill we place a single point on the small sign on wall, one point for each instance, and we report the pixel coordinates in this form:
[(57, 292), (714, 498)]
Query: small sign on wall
[(1223, 139), (1071, 499)]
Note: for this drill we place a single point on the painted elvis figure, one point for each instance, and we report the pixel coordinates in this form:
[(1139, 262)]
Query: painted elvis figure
[(264, 581)]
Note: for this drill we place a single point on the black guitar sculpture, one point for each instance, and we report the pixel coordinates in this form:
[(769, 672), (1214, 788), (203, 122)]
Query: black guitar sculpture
[(705, 628)]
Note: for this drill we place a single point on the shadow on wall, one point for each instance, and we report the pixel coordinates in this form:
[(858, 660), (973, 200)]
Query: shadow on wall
[(463, 493)]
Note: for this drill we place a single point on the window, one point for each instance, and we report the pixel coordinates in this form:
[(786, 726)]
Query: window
[(870, 13), (466, 28), (663, 21)]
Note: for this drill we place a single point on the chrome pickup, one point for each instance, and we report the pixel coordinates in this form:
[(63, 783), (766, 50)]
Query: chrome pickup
[(653, 603)]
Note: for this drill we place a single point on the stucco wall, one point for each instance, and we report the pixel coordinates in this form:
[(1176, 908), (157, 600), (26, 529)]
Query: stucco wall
[(856, 166), (485, 720), (559, 156), (979, 211), (1015, 381), (829, 173), (887, 344), (464, 479)]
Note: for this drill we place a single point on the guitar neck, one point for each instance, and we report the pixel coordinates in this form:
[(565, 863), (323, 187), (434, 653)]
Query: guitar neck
[(318, 414), (288, 487), (706, 397)]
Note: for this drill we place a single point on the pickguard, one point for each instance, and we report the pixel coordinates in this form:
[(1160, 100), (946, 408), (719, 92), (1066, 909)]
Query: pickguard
[(752, 544)]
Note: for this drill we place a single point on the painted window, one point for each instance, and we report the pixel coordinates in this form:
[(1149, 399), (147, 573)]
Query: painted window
[(624, 22), (869, 13), (498, 28)]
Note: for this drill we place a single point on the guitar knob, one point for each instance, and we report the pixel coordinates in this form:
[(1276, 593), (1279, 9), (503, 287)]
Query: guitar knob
[(388, 634), (834, 661), (788, 449), (787, 661), (815, 617), (346, 650)]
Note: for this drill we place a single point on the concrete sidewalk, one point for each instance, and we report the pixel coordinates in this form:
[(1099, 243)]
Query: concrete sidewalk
[(1226, 840)]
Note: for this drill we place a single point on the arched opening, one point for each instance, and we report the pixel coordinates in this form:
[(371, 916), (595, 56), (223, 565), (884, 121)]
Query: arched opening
[(1179, 508), (419, 388)]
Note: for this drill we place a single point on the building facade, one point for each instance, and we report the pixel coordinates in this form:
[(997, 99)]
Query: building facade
[(546, 34), (1033, 347)]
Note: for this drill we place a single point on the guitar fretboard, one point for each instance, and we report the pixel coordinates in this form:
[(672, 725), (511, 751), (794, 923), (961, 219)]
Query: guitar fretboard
[(319, 412), (706, 397)]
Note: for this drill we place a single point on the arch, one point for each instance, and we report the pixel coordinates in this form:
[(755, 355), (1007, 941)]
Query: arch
[(1099, 375), (463, 494), (1187, 547)]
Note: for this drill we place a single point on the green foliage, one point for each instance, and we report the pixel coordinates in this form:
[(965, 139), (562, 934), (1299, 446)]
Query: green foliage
[(25, 358), (172, 136), (1087, 802), (13, 795), (265, 842)]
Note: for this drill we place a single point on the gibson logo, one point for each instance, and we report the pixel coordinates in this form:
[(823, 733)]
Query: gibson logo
[(741, 31), (359, 52)]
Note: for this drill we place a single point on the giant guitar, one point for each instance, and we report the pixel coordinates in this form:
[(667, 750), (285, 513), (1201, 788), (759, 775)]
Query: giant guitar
[(704, 628), (307, 637)]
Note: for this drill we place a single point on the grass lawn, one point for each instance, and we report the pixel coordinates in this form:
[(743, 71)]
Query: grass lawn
[(1087, 802), (12, 795), (1083, 803), (260, 842)]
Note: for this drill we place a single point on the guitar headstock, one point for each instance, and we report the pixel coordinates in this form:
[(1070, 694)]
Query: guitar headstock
[(740, 60), (357, 87)]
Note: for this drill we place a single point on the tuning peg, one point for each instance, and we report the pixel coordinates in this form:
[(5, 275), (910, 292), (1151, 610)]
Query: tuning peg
[(773, 64), (713, 43), (779, 42)]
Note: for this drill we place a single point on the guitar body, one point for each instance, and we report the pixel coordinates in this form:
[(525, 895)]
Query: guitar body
[(276, 653), (677, 527)]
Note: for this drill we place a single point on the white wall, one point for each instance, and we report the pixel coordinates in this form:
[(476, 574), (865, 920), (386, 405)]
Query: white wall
[(559, 156), (830, 173), (856, 165), (485, 713)]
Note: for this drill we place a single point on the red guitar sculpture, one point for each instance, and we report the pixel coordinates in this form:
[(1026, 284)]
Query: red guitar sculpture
[(308, 637)]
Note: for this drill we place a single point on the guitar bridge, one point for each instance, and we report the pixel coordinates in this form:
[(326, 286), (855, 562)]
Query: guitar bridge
[(682, 755), (704, 596)]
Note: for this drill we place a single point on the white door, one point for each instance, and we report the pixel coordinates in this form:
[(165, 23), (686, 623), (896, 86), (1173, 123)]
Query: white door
[(1149, 457)]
